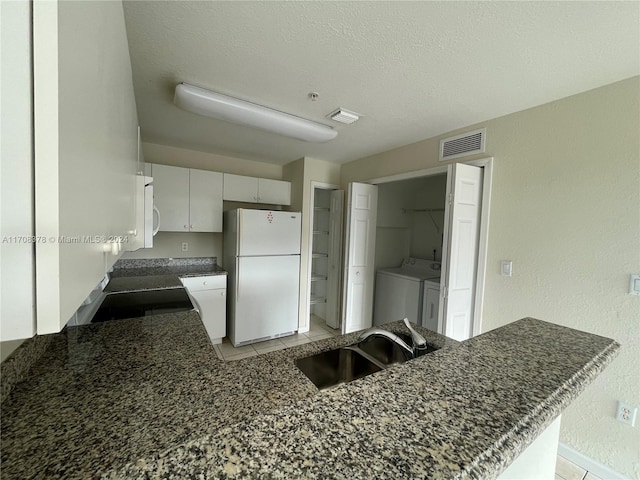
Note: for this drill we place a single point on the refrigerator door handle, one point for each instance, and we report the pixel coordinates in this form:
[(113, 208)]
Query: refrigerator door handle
[(237, 282)]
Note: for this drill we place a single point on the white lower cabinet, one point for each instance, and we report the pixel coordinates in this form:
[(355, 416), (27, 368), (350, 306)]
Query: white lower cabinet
[(209, 297)]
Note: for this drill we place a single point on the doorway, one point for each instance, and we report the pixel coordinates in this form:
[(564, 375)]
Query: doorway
[(326, 254), (414, 221)]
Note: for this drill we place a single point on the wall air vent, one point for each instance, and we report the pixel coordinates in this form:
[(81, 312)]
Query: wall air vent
[(462, 145)]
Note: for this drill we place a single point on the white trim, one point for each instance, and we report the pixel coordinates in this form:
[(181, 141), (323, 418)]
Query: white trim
[(483, 241), (589, 464), (408, 175)]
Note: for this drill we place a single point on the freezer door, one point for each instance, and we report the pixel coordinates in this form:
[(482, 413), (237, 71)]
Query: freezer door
[(266, 297), (266, 232)]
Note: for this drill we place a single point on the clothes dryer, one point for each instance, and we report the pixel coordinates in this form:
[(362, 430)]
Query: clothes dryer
[(399, 290)]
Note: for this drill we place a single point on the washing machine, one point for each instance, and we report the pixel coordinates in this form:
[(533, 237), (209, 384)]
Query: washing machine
[(400, 290)]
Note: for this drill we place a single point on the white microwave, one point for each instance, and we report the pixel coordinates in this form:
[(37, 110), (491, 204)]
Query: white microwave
[(147, 215)]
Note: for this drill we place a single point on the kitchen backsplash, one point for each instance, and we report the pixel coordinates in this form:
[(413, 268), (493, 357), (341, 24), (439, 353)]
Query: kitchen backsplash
[(169, 245)]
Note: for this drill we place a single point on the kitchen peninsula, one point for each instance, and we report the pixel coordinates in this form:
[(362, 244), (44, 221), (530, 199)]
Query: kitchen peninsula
[(152, 394)]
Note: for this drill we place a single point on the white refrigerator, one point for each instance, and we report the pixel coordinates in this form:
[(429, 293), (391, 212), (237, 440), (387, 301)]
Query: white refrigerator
[(262, 258)]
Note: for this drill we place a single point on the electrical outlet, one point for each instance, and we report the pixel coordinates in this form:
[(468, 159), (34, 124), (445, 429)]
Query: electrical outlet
[(626, 413), (185, 247)]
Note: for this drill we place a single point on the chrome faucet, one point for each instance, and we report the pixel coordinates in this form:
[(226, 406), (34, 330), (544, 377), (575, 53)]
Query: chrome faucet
[(418, 341), (384, 333)]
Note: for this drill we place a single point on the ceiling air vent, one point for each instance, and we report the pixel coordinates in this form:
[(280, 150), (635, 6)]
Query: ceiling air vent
[(462, 145), (344, 116)]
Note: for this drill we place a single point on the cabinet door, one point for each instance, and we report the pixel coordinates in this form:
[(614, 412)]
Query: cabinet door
[(276, 192), (205, 201), (212, 306), (238, 188), (171, 197)]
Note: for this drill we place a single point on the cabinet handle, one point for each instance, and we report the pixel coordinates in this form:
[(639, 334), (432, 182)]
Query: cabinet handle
[(186, 226), (222, 294), (190, 226)]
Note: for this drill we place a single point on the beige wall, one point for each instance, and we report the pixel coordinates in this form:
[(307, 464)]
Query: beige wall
[(169, 245), (181, 157), (565, 209), (302, 173)]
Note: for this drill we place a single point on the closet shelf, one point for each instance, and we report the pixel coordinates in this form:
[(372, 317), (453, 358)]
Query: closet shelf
[(320, 232), (321, 209), (318, 278), (319, 255), (422, 210), (316, 300)]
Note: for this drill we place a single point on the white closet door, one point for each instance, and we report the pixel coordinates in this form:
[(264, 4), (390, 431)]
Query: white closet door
[(334, 259), (357, 305), (464, 191)]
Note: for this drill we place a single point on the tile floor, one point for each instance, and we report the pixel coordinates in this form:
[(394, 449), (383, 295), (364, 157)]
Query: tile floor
[(565, 470), (318, 331)]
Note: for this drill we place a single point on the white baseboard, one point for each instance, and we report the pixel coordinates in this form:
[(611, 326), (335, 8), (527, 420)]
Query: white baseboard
[(589, 464)]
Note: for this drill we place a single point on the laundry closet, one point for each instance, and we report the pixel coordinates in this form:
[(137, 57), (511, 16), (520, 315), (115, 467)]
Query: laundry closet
[(408, 253)]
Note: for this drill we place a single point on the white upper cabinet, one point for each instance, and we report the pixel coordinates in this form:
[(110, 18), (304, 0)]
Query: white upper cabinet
[(86, 151), (238, 188), (188, 200), (276, 192), (205, 201), (171, 197)]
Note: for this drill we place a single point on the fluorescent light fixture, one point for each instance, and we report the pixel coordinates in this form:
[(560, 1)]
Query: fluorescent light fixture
[(230, 109)]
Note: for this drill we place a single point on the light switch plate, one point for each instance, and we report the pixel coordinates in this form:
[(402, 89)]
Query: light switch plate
[(506, 268), (634, 285)]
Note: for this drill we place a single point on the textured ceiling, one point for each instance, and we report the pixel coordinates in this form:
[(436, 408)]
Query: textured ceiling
[(412, 69)]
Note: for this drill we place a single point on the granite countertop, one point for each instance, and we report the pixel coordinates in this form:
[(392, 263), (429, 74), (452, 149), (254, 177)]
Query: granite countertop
[(158, 274), (148, 398)]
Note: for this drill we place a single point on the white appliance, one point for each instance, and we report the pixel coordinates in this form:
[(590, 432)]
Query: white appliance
[(262, 258), (145, 212), (399, 290), (431, 304)]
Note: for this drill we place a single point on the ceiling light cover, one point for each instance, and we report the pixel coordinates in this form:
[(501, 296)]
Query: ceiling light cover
[(344, 116), (230, 109)]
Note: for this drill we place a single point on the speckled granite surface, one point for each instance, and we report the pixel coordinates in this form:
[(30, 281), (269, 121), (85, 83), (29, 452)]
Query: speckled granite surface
[(463, 412), (152, 392), (158, 273), (16, 367)]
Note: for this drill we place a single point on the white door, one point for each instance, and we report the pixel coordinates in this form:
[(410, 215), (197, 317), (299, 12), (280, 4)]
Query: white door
[(266, 232), (460, 250), (357, 304), (205, 201), (332, 316)]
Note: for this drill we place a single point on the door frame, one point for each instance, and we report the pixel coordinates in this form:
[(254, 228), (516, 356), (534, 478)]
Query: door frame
[(483, 238), (312, 204)]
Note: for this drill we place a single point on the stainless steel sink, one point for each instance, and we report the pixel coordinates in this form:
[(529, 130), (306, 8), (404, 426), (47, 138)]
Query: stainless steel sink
[(384, 350), (335, 367), (343, 365)]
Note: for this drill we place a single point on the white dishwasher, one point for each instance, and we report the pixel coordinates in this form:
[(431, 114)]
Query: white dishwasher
[(209, 297)]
